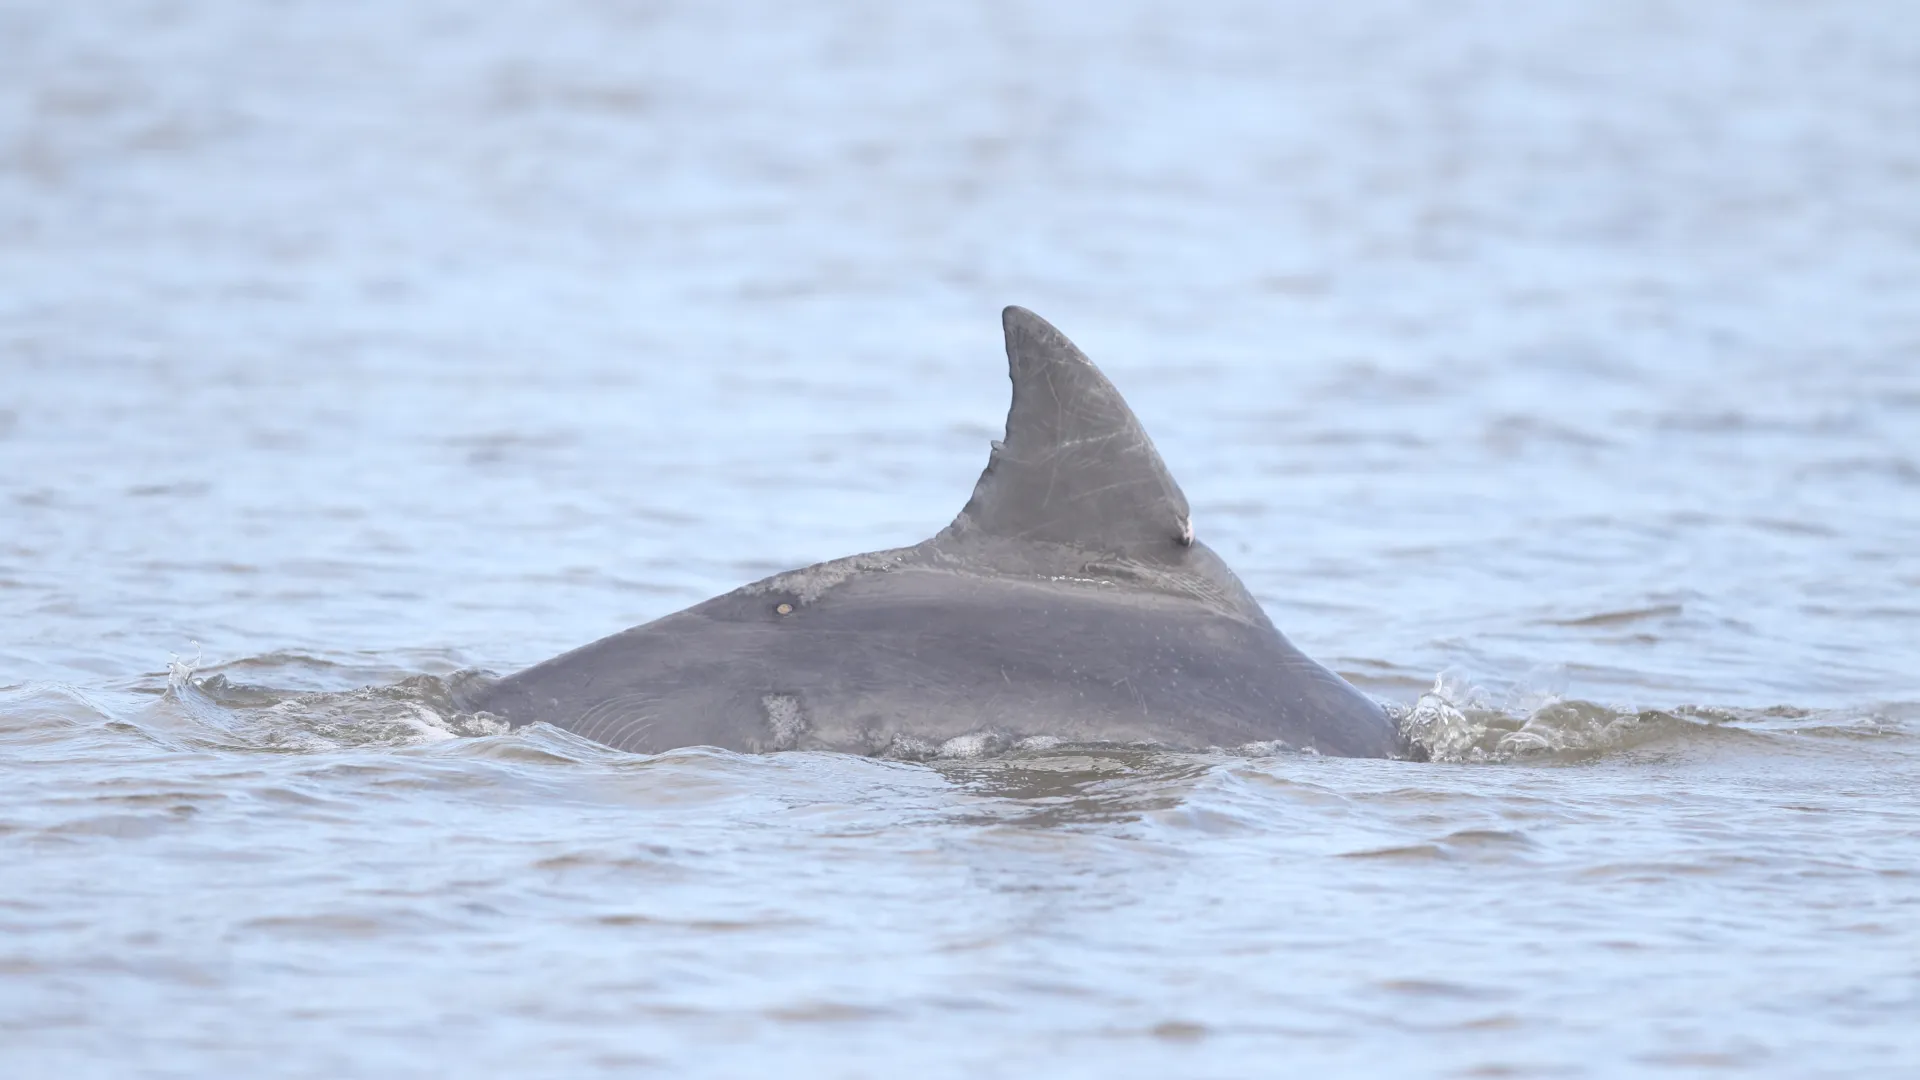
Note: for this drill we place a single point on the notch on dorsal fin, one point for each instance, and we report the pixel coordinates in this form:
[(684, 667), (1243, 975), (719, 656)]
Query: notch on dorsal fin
[(1076, 467)]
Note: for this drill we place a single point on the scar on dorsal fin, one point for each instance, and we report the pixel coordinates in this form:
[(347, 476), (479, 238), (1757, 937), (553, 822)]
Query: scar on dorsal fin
[(1076, 467)]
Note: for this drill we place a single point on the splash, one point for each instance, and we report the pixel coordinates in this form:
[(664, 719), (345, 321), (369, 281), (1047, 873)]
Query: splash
[(1460, 721), (179, 671)]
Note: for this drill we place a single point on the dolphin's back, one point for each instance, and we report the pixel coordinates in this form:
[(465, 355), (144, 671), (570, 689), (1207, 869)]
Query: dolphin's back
[(900, 661)]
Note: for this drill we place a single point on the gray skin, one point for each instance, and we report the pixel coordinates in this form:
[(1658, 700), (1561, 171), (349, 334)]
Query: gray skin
[(1068, 599)]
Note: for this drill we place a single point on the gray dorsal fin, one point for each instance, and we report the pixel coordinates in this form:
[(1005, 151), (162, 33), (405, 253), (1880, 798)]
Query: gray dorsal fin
[(1076, 467)]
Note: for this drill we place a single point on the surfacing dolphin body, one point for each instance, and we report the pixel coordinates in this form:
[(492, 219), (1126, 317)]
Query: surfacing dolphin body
[(1068, 600)]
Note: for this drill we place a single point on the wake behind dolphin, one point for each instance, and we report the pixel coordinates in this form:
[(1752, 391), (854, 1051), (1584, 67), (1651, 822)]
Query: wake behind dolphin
[(1068, 600)]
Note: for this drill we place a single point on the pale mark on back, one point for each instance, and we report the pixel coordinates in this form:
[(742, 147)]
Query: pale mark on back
[(785, 721), (810, 583)]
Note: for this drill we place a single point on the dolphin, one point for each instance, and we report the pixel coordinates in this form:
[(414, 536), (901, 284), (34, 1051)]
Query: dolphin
[(1069, 602)]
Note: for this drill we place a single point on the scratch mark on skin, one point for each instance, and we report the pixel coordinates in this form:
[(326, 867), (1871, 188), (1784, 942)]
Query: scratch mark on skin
[(1090, 492), (1090, 439), (625, 713)]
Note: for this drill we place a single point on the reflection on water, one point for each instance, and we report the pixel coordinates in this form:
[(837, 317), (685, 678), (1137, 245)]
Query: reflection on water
[(1550, 371)]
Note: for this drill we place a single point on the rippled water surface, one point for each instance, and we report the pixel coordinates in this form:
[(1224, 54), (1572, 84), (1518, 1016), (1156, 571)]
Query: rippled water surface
[(1552, 371)]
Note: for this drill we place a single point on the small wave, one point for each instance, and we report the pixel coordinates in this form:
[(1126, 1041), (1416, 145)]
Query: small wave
[(1459, 722), (1082, 784), (232, 715), (32, 713)]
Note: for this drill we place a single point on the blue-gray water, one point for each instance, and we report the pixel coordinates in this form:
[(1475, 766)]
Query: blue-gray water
[(1552, 370)]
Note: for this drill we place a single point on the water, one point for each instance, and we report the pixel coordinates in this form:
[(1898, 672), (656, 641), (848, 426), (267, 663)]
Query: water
[(1553, 371)]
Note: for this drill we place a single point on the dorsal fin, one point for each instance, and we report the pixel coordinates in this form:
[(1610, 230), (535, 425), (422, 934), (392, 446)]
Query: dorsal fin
[(1076, 467)]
